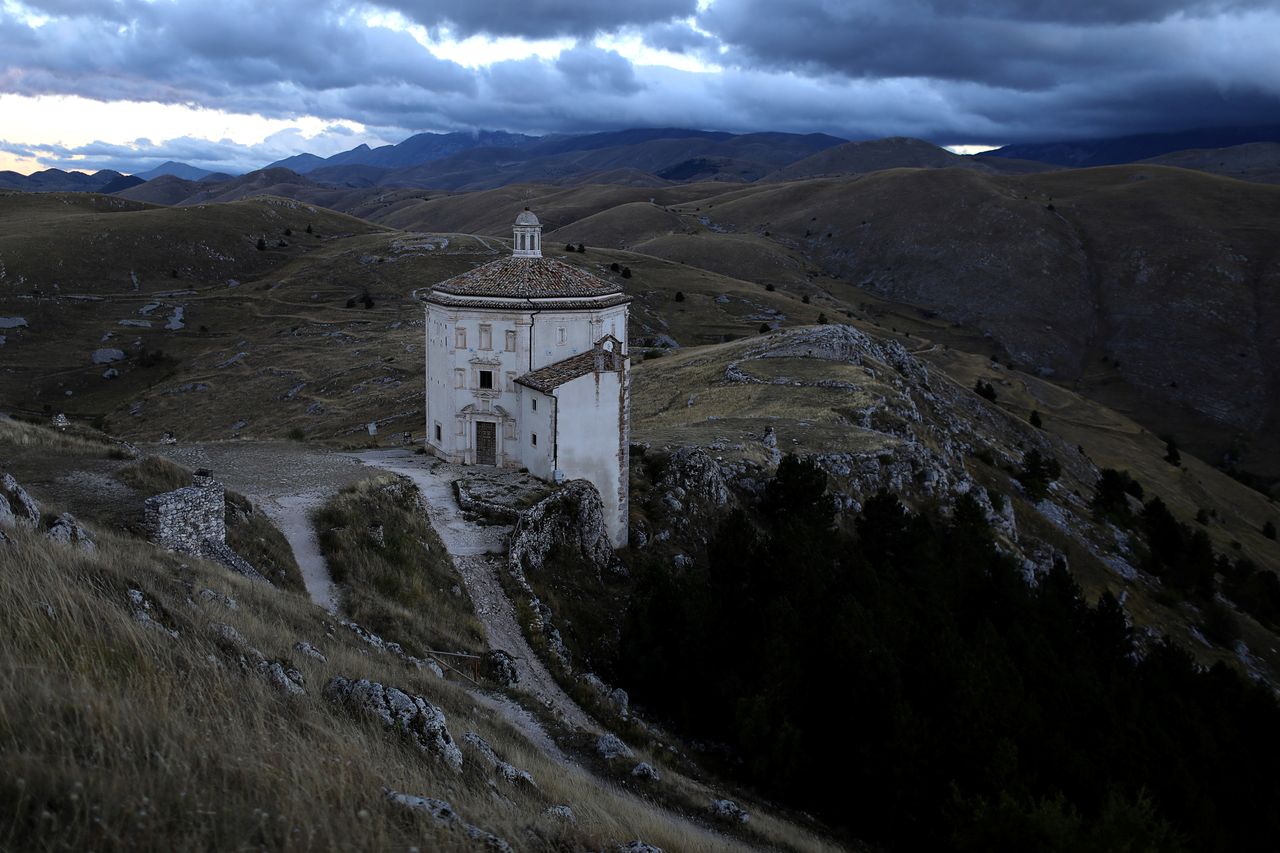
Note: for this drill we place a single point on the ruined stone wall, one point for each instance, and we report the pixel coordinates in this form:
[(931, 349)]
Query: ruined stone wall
[(183, 519)]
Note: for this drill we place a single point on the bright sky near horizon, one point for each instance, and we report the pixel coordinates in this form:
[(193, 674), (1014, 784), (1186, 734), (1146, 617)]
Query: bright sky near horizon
[(231, 86)]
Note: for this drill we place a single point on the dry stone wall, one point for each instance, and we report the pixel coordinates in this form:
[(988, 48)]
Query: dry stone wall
[(184, 519)]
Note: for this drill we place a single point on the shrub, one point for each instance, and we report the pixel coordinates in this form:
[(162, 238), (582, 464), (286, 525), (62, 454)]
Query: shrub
[(1171, 454), (770, 288), (805, 299), (822, 319), (568, 247), (614, 267), (626, 272), (1035, 420), (764, 327), (309, 228), (679, 296), (262, 244), (581, 248), (985, 389), (1269, 530), (1037, 473)]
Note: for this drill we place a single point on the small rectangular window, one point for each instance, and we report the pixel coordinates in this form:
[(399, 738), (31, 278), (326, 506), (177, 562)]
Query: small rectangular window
[(534, 401), (439, 433), (511, 341), (486, 337), (562, 336), (459, 377), (533, 439), (511, 381), (486, 379), (461, 339)]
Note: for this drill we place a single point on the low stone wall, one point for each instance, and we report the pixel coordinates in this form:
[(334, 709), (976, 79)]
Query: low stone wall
[(182, 520)]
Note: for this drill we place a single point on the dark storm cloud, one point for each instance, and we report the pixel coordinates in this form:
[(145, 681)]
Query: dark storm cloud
[(539, 18), (953, 71)]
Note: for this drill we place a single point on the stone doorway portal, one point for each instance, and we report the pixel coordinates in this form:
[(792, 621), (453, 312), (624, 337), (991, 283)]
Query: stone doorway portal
[(486, 443)]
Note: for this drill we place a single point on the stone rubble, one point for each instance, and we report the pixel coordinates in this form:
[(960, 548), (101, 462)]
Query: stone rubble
[(609, 746), (66, 530), (729, 811)]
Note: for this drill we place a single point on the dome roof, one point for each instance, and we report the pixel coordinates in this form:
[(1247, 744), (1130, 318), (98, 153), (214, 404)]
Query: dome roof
[(527, 278), (526, 217)]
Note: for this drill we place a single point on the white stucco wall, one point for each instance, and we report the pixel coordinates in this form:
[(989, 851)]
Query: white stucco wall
[(581, 330), (538, 420), (592, 443)]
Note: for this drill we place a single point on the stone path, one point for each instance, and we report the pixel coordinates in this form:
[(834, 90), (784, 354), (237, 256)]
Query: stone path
[(479, 552)]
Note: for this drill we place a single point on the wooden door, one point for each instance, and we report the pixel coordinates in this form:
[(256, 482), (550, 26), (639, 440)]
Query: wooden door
[(486, 443)]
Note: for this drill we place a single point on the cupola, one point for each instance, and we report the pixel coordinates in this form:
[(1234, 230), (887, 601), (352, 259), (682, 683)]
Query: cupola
[(527, 241)]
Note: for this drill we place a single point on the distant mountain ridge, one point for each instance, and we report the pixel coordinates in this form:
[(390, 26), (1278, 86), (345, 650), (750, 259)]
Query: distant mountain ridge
[(1128, 149), (57, 180), (179, 170)]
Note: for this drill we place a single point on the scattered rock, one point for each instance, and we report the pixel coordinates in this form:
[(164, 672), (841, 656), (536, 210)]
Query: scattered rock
[(413, 716), (638, 847), (107, 355), (561, 812), (219, 598), (283, 677), (310, 651), (500, 666), (110, 373), (610, 746), (646, 771), (729, 811), (146, 613), (443, 814), (68, 531)]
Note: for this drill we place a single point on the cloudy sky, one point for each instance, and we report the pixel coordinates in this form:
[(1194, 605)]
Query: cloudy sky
[(234, 84)]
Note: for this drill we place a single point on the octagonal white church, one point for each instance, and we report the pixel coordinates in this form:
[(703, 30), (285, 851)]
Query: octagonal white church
[(527, 367)]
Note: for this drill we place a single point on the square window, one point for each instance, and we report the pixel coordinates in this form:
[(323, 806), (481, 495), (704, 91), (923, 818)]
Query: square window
[(486, 379), (533, 439)]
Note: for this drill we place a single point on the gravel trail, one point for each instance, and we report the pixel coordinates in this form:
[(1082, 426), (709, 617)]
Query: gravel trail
[(478, 551)]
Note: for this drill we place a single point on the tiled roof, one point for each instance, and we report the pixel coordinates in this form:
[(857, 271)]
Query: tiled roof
[(531, 278), (548, 379)]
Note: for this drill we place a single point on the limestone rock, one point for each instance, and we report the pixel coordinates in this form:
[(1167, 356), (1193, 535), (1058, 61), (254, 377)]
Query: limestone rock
[(68, 531), (22, 507), (310, 651), (147, 614), (561, 812), (107, 355), (500, 666), (646, 771), (729, 811), (638, 847), (283, 677), (610, 746), (571, 521), (504, 769), (444, 815), (413, 716), (7, 518)]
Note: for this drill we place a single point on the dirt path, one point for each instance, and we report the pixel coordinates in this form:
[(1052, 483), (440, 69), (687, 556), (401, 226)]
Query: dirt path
[(286, 481), (478, 551)]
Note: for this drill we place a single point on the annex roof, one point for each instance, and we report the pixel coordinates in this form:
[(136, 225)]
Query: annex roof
[(527, 278), (548, 379)]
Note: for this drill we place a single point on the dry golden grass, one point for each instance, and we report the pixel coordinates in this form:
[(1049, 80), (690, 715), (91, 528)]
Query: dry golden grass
[(24, 435)]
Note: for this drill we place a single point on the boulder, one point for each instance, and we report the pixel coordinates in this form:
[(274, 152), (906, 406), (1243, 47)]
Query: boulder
[(500, 666), (646, 771), (638, 847), (107, 355), (728, 811), (561, 812), (610, 746), (67, 531), (310, 651), (21, 506), (146, 613), (413, 716)]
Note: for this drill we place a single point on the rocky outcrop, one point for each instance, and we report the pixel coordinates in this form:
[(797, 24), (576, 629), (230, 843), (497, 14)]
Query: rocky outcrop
[(500, 667), (281, 675), (391, 648), (18, 507), (569, 523), (646, 772), (412, 716), (444, 815)]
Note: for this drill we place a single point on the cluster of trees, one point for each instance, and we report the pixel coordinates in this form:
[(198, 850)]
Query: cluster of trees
[(905, 682), (1183, 557)]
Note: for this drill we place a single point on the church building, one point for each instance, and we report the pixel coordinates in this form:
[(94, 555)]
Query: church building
[(527, 367)]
